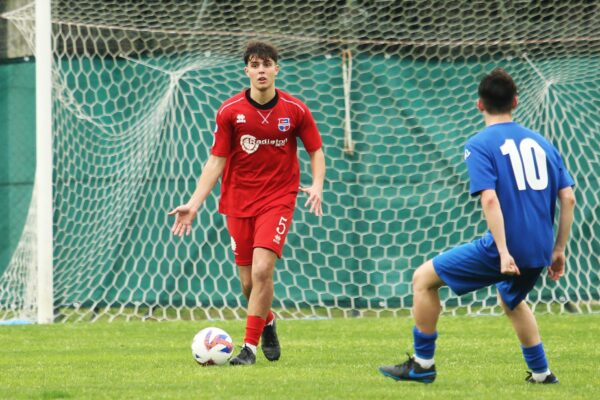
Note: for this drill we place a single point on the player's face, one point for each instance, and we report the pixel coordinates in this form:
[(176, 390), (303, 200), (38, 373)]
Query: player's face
[(261, 73)]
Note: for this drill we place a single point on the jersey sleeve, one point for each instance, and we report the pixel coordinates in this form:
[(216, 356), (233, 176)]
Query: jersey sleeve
[(308, 132), (564, 178), (480, 167), (222, 136)]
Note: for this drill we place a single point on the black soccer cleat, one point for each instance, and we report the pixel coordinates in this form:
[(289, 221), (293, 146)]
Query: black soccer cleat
[(270, 343), (246, 357), (410, 370), (549, 379)]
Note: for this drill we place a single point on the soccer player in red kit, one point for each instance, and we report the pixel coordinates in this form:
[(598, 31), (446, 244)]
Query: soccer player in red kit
[(255, 152)]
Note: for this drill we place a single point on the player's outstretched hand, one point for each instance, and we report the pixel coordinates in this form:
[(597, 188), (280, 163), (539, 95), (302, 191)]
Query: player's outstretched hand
[(557, 268), (508, 265), (183, 222), (315, 196)]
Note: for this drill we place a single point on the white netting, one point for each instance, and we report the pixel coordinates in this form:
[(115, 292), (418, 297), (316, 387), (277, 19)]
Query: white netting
[(393, 89)]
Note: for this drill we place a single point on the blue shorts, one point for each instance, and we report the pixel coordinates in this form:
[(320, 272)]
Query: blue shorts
[(469, 267)]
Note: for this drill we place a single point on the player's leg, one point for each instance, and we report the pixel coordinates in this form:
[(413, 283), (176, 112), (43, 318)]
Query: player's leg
[(271, 231), (245, 272), (262, 299), (269, 237), (523, 322), (464, 269), (241, 231), (426, 300), (426, 311), (263, 265), (259, 304), (511, 294)]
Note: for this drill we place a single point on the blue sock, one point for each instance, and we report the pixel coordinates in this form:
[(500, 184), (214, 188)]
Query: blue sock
[(535, 357), (424, 344)]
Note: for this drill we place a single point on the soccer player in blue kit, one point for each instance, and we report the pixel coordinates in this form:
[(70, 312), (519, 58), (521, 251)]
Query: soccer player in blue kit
[(518, 176)]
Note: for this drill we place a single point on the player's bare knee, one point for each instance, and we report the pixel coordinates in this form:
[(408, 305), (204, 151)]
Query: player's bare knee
[(261, 272), (425, 278), (418, 280)]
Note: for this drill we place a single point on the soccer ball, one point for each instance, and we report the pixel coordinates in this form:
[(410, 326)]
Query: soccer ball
[(212, 346)]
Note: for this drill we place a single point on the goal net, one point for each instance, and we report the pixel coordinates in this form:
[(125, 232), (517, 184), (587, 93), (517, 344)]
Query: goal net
[(392, 86)]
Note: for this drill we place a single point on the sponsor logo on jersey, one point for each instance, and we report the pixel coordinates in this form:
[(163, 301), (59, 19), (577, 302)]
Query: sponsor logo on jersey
[(467, 153), (240, 119), (250, 144), (283, 124)]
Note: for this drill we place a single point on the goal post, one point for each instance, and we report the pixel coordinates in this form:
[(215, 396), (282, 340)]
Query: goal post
[(134, 90), (44, 164)]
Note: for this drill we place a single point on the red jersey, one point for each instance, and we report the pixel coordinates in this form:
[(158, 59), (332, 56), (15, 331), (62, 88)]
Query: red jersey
[(260, 143)]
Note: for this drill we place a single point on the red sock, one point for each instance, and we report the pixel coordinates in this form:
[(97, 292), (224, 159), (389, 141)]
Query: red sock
[(254, 328), (270, 317)]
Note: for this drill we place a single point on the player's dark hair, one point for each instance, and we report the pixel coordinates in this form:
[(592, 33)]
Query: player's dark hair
[(497, 91), (261, 50)]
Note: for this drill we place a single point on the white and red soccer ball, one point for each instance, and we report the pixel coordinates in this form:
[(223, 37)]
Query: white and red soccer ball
[(212, 346)]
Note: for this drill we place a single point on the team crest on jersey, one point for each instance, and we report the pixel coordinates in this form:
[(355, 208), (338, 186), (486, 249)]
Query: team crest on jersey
[(283, 124), (241, 119)]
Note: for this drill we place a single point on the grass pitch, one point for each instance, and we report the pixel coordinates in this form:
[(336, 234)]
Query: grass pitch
[(477, 357)]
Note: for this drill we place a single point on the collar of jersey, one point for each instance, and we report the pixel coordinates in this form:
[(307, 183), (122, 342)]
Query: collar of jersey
[(270, 104)]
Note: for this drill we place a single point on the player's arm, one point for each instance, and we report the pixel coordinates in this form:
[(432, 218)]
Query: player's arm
[(566, 198), (315, 191), (186, 213), (311, 139), (495, 221)]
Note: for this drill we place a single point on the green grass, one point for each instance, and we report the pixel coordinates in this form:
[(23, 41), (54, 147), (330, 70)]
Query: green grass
[(477, 357)]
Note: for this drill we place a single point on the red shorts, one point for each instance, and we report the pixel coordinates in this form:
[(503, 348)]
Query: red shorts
[(267, 230)]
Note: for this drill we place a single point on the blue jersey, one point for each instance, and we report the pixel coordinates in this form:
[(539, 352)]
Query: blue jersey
[(526, 171)]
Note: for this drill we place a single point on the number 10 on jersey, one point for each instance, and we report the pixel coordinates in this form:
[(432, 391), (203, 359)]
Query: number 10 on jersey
[(525, 160)]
